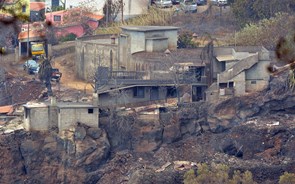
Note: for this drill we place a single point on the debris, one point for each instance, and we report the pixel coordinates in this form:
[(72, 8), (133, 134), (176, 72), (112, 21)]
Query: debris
[(8, 131), (252, 122), (273, 124), (164, 167), (181, 165)]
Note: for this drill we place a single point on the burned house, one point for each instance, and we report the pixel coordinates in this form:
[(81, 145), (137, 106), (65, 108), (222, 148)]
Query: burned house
[(238, 71), (182, 80), (142, 64), (116, 51)]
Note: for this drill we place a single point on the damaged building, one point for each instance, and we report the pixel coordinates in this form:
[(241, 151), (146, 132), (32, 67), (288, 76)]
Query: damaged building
[(238, 71), (59, 115), (142, 64)]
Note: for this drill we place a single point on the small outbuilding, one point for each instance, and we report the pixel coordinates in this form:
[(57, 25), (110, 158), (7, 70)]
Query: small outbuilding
[(45, 116)]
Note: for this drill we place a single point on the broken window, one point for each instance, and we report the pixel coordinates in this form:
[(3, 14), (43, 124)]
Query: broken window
[(138, 92), (90, 111), (57, 18), (231, 84), (222, 85), (253, 82), (171, 92)]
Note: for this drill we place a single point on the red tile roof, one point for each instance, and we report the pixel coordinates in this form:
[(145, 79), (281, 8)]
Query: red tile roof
[(94, 16), (37, 6), (8, 109)]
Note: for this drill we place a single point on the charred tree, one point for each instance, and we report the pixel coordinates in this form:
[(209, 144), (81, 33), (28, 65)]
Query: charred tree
[(45, 73)]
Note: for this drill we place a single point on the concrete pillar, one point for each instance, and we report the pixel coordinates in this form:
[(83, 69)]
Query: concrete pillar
[(16, 54), (53, 101), (20, 49), (49, 50), (95, 99), (53, 114)]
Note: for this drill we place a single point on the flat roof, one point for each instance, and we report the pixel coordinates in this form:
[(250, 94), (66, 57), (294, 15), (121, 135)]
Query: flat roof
[(149, 28), (225, 58), (63, 105), (59, 105), (175, 56), (31, 105)]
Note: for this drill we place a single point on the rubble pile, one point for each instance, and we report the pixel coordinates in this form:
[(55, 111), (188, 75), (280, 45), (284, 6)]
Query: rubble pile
[(23, 89)]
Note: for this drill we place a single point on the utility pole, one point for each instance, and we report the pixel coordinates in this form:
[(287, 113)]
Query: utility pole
[(122, 10), (107, 13), (28, 39)]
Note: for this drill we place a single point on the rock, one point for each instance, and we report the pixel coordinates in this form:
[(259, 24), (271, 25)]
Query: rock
[(188, 127), (29, 147), (50, 148), (148, 176), (171, 133), (49, 139), (80, 133), (94, 133), (85, 147), (147, 137)]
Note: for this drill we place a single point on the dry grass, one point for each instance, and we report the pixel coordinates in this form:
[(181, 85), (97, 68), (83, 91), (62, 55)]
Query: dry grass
[(153, 17)]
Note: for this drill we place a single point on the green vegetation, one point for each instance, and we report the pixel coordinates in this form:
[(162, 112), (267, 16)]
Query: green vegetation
[(220, 173), (57, 8), (217, 173), (68, 37), (248, 11), (185, 40), (287, 178), (154, 16), (266, 32)]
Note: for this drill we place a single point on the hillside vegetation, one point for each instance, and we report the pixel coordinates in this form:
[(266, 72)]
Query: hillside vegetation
[(266, 32), (154, 17)]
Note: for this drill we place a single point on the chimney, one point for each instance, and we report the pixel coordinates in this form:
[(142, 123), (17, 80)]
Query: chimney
[(113, 39)]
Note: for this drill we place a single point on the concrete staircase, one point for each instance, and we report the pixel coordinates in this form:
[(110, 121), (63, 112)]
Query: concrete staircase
[(237, 68)]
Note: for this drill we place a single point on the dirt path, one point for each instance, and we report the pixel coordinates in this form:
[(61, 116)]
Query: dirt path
[(66, 65)]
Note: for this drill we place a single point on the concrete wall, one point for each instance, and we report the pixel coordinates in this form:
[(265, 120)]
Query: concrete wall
[(138, 38), (36, 118), (125, 51), (68, 117), (258, 71), (216, 67), (137, 41), (93, 53), (172, 36), (239, 84), (256, 85), (156, 44), (223, 51), (229, 64), (257, 77), (126, 97), (212, 96)]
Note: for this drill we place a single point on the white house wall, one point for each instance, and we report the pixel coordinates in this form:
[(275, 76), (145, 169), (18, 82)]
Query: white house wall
[(137, 40), (37, 118), (69, 117)]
